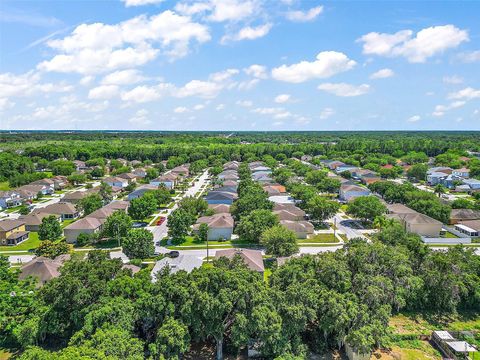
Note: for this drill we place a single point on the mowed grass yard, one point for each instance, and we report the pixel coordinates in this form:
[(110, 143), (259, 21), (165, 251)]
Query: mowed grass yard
[(32, 243), (319, 238)]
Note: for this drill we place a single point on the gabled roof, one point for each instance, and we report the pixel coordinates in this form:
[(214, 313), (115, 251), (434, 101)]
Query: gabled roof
[(128, 176), (347, 188), (166, 177), (472, 224), (287, 215), (114, 179), (252, 258), (87, 223), (44, 269), (217, 221), (415, 218), (399, 209), (220, 195), (219, 208), (465, 214), (183, 262), (35, 219), (298, 226), (290, 208), (10, 224), (59, 208)]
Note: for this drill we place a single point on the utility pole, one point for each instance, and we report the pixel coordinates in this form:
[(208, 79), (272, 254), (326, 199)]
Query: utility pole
[(208, 260)]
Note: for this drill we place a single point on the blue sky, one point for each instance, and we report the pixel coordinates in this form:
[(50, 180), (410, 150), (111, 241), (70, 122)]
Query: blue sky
[(239, 65)]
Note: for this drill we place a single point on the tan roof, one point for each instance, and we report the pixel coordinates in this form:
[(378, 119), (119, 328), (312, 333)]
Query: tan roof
[(353, 188), (252, 258), (290, 208), (399, 209), (465, 214), (166, 177), (135, 269), (219, 208), (230, 183), (32, 187), (128, 176), (222, 220), (298, 226), (415, 218), (287, 215), (35, 218), (109, 209), (10, 224), (59, 208), (44, 269), (88, 223), (472, 224), (118, 205)]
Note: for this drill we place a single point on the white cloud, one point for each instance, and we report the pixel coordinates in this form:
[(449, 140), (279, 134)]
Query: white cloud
[(192, 9), (468, 93), (103, 92), (199, 107), (248, 33), (129, 3), (244, 103), (414, 118), (257, 71), (141, 94), (223, 76), (343, 89), (452, 80), (87, 80), (180, 110), (140, 118), (268, 110), (248, 84), (231, 10), (282, 98), (327, 64), (123, 77), (304, 16), (426, 43), (470, 56), (220, 107), (204, 89), (326, 113), (382, 74), (441, 109), (6, 104), (98, 48)]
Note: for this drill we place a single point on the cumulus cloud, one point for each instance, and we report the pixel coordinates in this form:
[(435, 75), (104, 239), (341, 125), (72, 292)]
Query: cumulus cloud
[(97, 48), (244, 103), (204, 89), (223, 76), (248, 33), (123, 77), (454, 80), (141, 94), (231, 10), (180, 110), (382, 74), (257, 71), (220, 107), (327, 64), (343, 89), (326, 113), (103, 92), (441, 109), (282, 98), (304, 16), (468, 93), (414, 118), (416, 49)]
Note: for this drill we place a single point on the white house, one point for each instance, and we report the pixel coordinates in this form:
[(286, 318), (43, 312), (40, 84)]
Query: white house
[(116, 181), (350, 192), (220, 226)]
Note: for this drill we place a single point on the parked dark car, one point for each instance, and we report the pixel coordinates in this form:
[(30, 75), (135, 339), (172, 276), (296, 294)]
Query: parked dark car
[(174, 254), (139, 224)]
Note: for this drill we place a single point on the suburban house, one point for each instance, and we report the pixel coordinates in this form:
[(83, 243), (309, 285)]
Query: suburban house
[(104, 212), (135, 163), (116, 181), (301, 228), (27, 195), (231, 189), (417, 223), (66, 210), (370, 178), (88, 225), (220, 226), (262, 177), (287, 215), (228, 175), (261, 168), (333, 164), (131, 178), (473, 184), (182, 170), (45, 182), (254, 164), (278, 187), (231, 177), (463, 173), (282, 199), (183, 262), (230, 183), (221, 197), (80, 165), (75, 196), (59, 182), (442, 169), (140, 172), (350, 192), (43, 269), (252, 258), (43, 189), (271, 191), (168, 180), (219, 208), (12, 232), (435, 178), (33, 221), (341, 168), (290, 208), (398, 208), (469, 227), (10, 199), (231, 165), (460, 215), (141, 190)]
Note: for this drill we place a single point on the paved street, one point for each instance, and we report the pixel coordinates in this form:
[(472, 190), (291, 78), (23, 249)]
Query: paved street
[(159, 232), (345, 225)]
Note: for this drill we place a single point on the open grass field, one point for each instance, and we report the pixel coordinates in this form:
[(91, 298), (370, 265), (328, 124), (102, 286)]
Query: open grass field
[(191, 244), (319, 238)]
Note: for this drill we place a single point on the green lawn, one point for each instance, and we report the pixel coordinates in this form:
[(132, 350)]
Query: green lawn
[(107, 244), (450, 235), (4, 186), (319, 238), (31, 243), (67, 222), (191, 244), (13, 209)]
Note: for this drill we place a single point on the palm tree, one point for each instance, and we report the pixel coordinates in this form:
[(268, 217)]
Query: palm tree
[(439, 189)]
